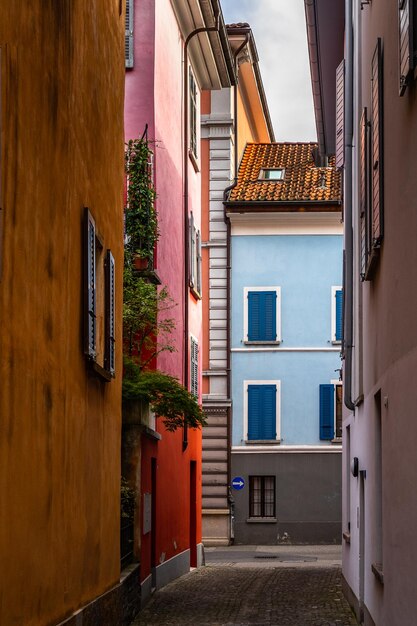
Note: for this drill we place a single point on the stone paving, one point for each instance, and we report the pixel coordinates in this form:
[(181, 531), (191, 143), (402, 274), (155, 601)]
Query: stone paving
[(248, 595)]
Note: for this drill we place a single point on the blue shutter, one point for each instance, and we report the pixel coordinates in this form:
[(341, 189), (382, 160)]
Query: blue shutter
[(339, 314), (262, 412), (327, 412), (262, 316)]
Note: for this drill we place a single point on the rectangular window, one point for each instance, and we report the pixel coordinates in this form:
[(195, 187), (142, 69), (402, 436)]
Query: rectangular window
[(406, 43), (331, 406), (195, 258), (371, 172), (262, 410), (109, 351), (262, 496), (99, 302), (364, 191), (337, 314), (272, 173), (262, 318), (129, 34), (193, 114), (194, 367), (340, 115)]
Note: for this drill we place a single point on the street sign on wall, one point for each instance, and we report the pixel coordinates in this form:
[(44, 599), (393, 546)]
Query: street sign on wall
[(238, 483)]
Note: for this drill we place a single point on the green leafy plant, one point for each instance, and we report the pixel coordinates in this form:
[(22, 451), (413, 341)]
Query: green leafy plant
[(166, 396), (127, 500), (141, 220), (147, 325)]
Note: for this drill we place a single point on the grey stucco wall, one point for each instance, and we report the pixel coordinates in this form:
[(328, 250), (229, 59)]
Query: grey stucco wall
[(308, 498)]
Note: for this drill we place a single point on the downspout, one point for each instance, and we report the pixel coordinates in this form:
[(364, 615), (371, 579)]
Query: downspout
[(348, 273), (228, 287), (193, 33)]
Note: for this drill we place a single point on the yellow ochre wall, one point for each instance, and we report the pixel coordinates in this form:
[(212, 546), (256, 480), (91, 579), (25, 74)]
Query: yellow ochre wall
[(62, 85)]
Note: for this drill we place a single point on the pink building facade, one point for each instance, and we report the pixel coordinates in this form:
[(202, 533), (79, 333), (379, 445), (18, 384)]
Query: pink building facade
[(167, 67), (370, 83)]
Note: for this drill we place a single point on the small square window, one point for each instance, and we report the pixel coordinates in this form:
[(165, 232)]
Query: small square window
[(273, 173), (261, 496)]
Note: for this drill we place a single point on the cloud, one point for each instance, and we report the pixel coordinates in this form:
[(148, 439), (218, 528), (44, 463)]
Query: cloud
[(280, 35)]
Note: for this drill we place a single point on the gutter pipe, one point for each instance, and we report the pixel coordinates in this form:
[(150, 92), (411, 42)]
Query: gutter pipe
[(197, 31), (228, 285), (348, 273)]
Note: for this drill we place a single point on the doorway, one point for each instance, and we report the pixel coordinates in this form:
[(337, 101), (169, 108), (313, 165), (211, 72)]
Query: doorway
[(193, 514)]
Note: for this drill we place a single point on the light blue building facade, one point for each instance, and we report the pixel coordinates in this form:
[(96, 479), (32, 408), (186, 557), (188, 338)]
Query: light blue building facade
[(286, 320)]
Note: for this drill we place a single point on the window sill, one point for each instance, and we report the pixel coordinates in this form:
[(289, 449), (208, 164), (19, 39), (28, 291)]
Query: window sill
[(193, 160), (378, 572), (261, 520), (262, 343), (336, 342), (262, 442), (197, 295), (100, 372)]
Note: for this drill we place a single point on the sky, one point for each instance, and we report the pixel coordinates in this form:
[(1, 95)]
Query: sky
[(279, 29)]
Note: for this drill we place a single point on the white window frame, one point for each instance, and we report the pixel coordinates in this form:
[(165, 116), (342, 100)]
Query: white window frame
[(246, 291), (336, 383), (246, 384), (333, 309)]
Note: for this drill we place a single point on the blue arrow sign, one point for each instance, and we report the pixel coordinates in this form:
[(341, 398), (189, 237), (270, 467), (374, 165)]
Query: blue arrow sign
[(238, 483)]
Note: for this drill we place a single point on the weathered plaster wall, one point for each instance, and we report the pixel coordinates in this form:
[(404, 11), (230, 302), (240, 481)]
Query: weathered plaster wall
[(62, 149), (389, 342)]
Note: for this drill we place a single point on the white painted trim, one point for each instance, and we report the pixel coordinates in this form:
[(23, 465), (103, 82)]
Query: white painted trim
[(333, 313), (246, 383), (280, 348), (282, 449), (283, 223), (246, 291)]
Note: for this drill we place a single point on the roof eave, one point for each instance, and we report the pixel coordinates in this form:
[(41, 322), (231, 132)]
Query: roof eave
[(325, 38)]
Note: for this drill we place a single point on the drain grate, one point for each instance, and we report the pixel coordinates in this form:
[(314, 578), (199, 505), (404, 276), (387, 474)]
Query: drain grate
[(286, 558)]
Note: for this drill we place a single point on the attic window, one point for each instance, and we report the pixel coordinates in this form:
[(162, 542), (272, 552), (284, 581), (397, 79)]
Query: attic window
[(273, 173)]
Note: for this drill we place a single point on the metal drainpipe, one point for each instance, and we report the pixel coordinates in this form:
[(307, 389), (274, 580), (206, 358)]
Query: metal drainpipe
[(203, 29), (348, 274), (228, 286)]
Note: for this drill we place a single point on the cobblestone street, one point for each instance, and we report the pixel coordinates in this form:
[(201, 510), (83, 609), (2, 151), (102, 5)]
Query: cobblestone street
[(286, 589)]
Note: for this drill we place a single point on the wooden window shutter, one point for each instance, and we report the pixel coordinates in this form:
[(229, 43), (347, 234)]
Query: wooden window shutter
[(406, 43), (327, 412), (364, 190), (199, 263), (89, 285), (109, 352), (192, 256), (193, 114), (129, 34), (262, 312), (262, 401), (194, 367), (340, 115), (377, 147), (339, 314)]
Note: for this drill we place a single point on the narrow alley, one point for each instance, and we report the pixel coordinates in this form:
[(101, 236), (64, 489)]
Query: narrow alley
[(248, 585)]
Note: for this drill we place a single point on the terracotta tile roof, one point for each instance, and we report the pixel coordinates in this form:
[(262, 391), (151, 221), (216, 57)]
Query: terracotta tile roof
[(303, 181)]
